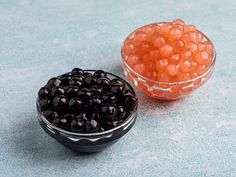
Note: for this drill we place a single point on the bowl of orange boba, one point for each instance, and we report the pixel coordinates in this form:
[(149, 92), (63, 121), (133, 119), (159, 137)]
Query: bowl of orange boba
[(168, 60)]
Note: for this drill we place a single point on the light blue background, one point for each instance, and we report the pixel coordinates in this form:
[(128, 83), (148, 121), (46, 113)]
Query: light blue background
[(39, 39)]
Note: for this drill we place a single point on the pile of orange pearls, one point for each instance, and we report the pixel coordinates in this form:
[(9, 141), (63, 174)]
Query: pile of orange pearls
[(168, 52)]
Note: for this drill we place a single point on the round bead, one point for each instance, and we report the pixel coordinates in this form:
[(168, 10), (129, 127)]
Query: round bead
[(60, 103), (76, 71), (104, 83), (75, 105), (159, 42), (57, 91), (77, 125), (89, 81), (172, 69), (44, 92), (50, 115), (166, 50), (100, 73), (108, 111), (53, 82)]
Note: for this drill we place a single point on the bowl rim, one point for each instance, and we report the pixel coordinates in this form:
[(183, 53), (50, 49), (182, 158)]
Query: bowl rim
[(171, 83), (127, 121)]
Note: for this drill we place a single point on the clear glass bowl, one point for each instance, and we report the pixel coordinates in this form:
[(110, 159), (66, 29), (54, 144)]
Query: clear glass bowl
[(89, 142), (165, 90)]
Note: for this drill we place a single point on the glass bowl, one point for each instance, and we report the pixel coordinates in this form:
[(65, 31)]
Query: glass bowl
[(165, 90), (89, 142)]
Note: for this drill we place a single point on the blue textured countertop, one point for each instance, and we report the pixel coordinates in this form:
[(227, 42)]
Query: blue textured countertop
[(195, 136)]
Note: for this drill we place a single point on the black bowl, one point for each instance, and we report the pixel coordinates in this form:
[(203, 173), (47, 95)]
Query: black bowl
[(89, 142)]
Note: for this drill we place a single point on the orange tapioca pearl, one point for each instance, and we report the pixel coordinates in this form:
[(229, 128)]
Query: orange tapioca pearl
[(174, 58), (161, 65), (194, 75), (149, 31), (192, 46), (202, 57), (195, 36), (166, 50), (165, 28), (175, 79), (186, 54), (199, 36), (132, 60), (152, 66), (183, 76), (164, 77), (156, 28), (154, 55), (154, 75), (189, 28), (185, 65), (143, 49), (146, 29), (201, 46), (179, 46), (172, 69), (139, 37), (146, 58), (140, 68), (175, 34), (208, 47), (129, 49), (148, 74), (201, 69), (194, 65), (186, 38), (178, 22), (159, 41)]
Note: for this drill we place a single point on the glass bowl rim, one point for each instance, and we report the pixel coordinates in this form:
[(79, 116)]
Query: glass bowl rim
[(127, 121), (170, 83)]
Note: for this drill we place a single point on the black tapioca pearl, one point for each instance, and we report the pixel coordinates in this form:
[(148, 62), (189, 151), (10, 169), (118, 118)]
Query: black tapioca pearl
[(60, 103), (108, 111), (96, 90), (77, 71), (44, 92), (75, 105), (62, 122), (50, 115), (117, 89), (95, 103), (53, 82), (89, 81), (57, 90), (77, 125), (104, 83), (71, 91), (121, 113), (109, 97), (44, 104), (100, 74), (91, 126), (84, 94)]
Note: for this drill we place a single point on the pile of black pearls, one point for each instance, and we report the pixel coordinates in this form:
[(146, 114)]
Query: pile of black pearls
[(82, 102)]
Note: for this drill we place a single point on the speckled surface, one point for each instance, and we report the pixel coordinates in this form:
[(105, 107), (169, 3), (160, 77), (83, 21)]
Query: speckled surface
[(193, 137)]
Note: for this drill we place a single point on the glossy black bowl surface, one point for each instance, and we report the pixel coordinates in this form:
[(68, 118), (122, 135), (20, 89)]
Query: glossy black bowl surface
[(89, 142)]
